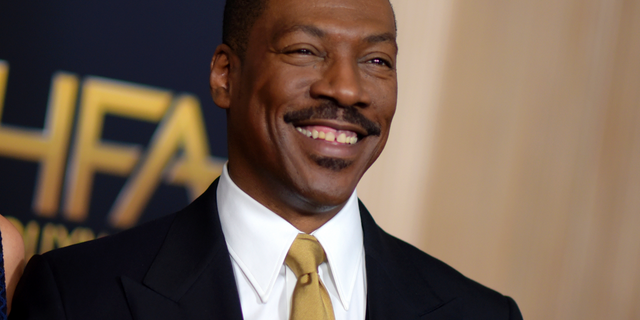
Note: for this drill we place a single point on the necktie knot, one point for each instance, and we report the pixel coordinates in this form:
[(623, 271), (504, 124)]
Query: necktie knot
[(305, 255)]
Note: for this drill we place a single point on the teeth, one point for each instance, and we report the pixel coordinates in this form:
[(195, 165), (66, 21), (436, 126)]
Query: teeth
[(330, 137)]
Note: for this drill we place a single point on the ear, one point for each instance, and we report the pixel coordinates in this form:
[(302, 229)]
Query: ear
[(223, 65)]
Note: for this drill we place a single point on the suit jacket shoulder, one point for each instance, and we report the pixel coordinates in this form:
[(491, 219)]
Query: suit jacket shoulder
[(86, 275), (175, 267), (403, 280)]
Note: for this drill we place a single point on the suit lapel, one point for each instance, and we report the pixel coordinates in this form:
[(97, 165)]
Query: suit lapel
[(395, 289), (191, 277), (145, 303)]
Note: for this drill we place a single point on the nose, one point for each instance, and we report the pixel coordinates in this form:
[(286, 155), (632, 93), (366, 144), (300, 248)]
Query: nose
[(342, 81)]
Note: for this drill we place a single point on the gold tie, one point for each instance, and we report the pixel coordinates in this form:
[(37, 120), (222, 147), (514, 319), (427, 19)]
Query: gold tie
[(310, 299)]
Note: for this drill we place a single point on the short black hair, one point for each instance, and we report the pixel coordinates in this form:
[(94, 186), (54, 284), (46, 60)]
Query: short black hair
[(239, 17)]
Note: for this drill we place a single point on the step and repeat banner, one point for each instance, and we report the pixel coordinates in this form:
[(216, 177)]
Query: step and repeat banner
[(106, 120)]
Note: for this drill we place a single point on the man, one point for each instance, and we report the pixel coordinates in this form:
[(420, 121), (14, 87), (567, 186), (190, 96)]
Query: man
[(310, 90)]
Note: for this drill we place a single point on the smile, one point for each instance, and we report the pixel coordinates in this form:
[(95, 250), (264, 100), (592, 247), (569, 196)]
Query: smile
[(329, 134)]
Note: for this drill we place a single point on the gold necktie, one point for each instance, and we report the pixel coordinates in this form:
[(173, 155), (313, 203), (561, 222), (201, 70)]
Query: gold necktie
[(310, 299)]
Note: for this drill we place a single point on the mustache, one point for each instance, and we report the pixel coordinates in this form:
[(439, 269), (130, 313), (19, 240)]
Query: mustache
[(330, 110)]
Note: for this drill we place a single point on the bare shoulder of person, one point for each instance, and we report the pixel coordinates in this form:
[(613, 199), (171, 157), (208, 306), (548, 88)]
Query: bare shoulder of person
[(13, 251)]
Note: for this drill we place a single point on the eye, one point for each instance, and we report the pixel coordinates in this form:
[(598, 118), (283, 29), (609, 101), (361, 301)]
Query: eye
[(302, 51), (381, 62), (301, 54)]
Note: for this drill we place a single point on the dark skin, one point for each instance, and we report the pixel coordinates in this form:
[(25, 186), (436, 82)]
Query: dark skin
[(313, 64)]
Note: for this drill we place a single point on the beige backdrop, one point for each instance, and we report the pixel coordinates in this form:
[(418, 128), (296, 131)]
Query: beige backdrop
[(515, 151)]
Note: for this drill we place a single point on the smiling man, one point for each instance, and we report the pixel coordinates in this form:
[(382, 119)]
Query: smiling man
[(314, 74), (309, 88)]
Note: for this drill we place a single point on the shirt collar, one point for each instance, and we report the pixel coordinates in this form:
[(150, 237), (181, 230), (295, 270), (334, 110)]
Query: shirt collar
[(258, 240)]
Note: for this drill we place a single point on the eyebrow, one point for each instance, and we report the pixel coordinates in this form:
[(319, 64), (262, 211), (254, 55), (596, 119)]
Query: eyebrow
[(384, 37), (308, 29), (319, 33), (377, 38)]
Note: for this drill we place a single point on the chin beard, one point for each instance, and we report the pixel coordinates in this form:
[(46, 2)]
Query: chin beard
[(332, 164)]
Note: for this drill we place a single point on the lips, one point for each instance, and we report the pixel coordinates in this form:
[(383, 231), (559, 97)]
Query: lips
[(329, 134), (329, 114), (330, 145)]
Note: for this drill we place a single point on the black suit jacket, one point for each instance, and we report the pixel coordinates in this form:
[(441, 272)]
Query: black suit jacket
[(178, 267)]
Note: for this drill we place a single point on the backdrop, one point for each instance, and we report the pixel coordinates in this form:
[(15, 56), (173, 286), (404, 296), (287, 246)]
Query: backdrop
[(105, 115), (514, 155)]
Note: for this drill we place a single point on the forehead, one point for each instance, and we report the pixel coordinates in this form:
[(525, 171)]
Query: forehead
[(356, 16)]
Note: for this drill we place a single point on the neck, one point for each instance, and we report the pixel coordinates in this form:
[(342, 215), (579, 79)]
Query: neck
[(308, 223), (303, 214)]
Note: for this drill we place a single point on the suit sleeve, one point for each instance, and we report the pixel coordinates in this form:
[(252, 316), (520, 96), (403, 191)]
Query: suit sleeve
[(37, 295), (514, 311)]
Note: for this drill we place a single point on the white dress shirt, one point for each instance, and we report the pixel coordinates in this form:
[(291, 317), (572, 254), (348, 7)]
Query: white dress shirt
[(258, 241)]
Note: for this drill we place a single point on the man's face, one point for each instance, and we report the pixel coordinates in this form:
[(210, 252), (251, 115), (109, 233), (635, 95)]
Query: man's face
[(311, 105)]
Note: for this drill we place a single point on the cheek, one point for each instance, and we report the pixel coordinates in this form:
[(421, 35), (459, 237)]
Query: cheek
[(270, 99), (384, 96), (288, 85), (385, 110)]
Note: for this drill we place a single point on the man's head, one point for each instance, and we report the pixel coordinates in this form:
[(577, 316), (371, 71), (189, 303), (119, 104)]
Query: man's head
[(307, 67)]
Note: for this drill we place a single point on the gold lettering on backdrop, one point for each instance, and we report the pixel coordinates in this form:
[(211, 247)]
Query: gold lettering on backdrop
[(90, 155), (53, 236), (46, 146), (195, 168), (57, 236), (181, 129), (4, 74), (178, 153)]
